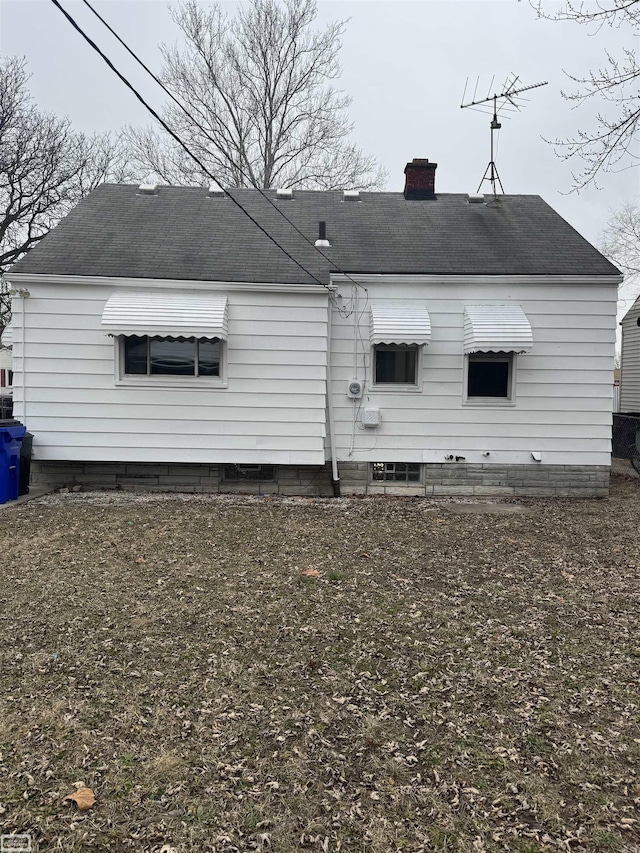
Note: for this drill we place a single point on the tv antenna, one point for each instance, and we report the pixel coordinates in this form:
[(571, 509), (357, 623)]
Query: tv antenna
[(509, 100)]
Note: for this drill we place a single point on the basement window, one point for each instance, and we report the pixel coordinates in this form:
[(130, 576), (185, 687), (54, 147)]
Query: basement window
[(249, 473), (395, 472)]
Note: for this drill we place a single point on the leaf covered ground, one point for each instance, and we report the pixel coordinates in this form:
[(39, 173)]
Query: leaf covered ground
[(379, 675)]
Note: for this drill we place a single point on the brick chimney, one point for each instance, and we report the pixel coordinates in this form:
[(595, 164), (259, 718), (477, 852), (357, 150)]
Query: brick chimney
[(420, 180)]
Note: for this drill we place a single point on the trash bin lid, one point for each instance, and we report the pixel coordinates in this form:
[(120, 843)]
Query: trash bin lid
[(16, 432)]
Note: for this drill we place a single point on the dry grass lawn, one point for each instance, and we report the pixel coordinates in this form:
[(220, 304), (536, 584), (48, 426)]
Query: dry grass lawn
[(445, 682)]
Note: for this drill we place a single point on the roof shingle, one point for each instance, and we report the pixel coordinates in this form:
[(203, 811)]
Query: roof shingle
[(183, 233)]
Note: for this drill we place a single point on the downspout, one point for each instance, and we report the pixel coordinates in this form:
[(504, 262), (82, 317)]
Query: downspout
[(335, 476)]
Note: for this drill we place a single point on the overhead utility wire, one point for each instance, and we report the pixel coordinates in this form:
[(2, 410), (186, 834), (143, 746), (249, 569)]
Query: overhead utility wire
[(106, 59), (208, 135)]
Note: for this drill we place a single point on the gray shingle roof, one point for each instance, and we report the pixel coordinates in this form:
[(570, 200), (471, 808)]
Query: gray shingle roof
[(183, 233)]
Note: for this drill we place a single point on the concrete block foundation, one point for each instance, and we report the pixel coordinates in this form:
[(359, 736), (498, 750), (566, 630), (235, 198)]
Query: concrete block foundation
[(437, 479)]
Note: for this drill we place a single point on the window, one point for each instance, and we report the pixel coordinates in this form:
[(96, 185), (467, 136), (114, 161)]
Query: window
[(171, 356), (236, 473), (395, 472), (490, 377), (395, 364)]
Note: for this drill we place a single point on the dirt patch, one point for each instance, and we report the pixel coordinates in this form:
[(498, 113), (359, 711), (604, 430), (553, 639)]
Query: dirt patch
[(236, 674)]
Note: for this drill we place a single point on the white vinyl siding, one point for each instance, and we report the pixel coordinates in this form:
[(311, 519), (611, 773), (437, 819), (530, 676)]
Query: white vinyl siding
[(272, 412), (630, 362), (562, 387)]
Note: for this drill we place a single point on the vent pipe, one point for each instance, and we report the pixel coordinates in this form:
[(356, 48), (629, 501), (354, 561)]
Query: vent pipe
[(322, 241)]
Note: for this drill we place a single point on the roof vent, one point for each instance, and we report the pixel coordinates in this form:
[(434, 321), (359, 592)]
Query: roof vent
[(216, 190), (148, 189), (351, 195), (285, 192), (475, 198), (322, 242)]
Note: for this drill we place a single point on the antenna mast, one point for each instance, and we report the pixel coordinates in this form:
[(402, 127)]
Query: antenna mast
[(508, 98)]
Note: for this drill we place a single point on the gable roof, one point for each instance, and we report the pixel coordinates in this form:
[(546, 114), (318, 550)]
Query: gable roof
[(183, 233)]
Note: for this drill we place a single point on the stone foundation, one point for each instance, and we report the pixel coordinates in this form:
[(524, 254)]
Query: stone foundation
[(438, 479), (179, 477), (456, 479)]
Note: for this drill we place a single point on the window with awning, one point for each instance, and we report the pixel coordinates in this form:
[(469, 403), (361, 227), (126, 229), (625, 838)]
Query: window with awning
[(187, 315), (496, 328), (398, 333)]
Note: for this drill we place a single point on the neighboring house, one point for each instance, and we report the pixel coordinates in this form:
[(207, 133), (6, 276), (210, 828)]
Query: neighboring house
[(630, 361), (441, 344), (6, 374)]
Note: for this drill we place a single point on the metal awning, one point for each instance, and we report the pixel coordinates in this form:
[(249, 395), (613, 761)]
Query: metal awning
[(396, 323), (496, 328), (7, 336), (166, 314)]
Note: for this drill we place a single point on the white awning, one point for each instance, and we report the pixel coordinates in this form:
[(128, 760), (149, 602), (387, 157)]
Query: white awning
[(496, 328), (166, 314), (395, 323), (7, 336)]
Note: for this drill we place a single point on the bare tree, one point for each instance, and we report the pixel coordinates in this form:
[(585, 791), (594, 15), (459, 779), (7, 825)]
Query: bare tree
[(621, 238), (612, 143), (45, 169), (263, 112)]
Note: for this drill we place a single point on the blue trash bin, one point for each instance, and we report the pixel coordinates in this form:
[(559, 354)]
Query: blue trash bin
[(10, 444)]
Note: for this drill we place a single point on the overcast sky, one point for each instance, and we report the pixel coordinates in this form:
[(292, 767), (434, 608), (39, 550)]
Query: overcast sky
[(404, 64)]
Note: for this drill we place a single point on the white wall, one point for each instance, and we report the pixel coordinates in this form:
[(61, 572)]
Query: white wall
[(272, 412), (563, 387), (630, 361)]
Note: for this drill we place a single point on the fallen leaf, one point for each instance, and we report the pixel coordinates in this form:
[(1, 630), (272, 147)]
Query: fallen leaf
[(84, 798), (311, 573)]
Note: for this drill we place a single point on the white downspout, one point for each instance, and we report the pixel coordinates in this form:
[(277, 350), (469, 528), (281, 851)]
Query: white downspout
[(335, 476)]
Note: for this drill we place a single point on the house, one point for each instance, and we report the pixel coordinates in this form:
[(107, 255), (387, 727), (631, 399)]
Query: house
[(630, 361), (409, 343), (6, 363)]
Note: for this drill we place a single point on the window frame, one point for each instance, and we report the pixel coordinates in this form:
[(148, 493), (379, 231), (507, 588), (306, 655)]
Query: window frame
[(226, 479), (398, 386), (160, 380), (510, 399), (392, 481)]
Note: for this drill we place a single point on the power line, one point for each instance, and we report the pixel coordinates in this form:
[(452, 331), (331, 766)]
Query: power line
[(190, 116), (158, 118)]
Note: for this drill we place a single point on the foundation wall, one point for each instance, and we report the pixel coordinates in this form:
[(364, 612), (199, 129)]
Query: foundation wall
[(437, 480)]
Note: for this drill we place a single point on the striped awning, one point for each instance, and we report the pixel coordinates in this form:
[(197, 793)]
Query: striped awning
[(7, 337), (397, 323), (496, 328), (166, 314)]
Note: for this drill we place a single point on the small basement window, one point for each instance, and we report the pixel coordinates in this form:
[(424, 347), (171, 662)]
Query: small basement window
[(490, 377), (171, 356), (395, 472), (395, 364), (244, 473)]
